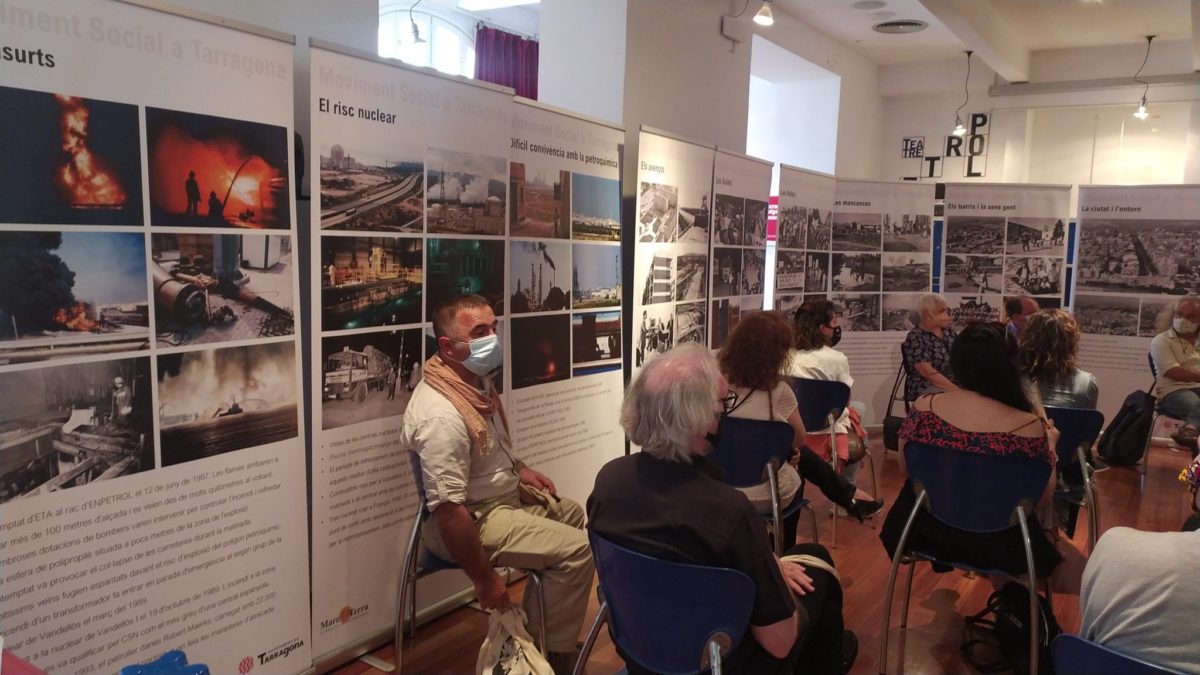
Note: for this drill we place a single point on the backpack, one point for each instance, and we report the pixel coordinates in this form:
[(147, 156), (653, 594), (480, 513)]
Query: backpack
[(1008, 629), (1124, 438)]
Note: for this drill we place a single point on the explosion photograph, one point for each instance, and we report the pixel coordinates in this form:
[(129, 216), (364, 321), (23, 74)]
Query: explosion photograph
[(210, 171), (68, 160)]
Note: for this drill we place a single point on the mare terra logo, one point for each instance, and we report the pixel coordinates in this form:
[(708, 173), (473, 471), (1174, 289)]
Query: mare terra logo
[(345, 615)]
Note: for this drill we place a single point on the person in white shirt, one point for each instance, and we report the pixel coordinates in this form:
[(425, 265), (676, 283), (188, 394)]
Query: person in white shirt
[(1177, 369)]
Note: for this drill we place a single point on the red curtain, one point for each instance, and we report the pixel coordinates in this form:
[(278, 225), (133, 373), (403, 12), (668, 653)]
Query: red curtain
[(506, 59)]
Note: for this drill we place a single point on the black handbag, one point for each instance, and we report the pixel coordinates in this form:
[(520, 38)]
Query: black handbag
[(891, 423)]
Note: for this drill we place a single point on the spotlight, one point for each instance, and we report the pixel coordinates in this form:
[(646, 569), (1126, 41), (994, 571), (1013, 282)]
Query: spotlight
[(765, 17), (959, 129)]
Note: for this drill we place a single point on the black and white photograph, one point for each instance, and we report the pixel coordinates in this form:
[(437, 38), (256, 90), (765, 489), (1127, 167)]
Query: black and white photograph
[(541, 349), (857, 232), (755, 233), (534, 278), (976, 235), (689, 323), (67, 294), (1033, 276), (691, 276), (458, 266), (221, 400), (816, 271), (1152, 311), (221, 287), (658, 214), (858, 312), (973, 274), (754, 263), (655, 328), (595, 336), (1107, 314), (1036, 236), (368, 376), (906, 272), (726, 271), (67, 426), (541, 199), (370, 281), (900, 311), (372, 188), (595, 276), (654, 274), (789, 271), (750, 303), (855, 271), (1139, 256), (907, 233), (968, 308), (730, 219), (817, 235), (595, 208), (793, 221), (465, 193), (724, 316), (788, 304), (695, 217)]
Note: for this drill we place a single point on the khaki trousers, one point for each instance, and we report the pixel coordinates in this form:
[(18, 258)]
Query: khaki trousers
[(548, 539)]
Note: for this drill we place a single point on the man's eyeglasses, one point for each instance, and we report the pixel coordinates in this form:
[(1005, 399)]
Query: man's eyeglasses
[(728, 401)]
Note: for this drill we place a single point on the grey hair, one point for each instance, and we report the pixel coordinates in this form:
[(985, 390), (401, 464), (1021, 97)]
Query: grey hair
[(1166, 316), (671, 401), (929, 302)]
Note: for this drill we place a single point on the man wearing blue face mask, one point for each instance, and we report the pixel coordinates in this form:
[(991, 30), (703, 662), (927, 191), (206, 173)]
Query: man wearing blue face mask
[(489, 508), (1177, 365)]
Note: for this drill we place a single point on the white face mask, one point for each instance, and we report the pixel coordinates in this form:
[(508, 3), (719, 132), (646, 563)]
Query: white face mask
[(1182, 325)]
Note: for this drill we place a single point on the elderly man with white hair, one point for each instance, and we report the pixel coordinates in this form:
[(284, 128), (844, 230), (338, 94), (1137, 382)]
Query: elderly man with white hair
[(667, 501), (1177, 369)]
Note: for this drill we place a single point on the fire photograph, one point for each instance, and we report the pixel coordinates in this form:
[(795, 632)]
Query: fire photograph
[(973, 274), (855, 271), (1139, 256), (725, 314), (1036, 236), (967, 308), (595, 276), (221, 287), (1032, 276), (754, 267), (691, 276), (370, 281), (818, 231), (899, 310), (907, 234), (730, 220), (70, 294), (906, 271), (789, 271), (366, 376), (726, 271), (595, 208), (595, 336), (792, 223), (654, 332), (541, 201), (756, 223), (541, 350), (221, 400), (689, 323), (460, 266), (69, 160), (658, 214), (979, 235), (858, 311), (1107, 314), (534, 276), (465, 193), (856, 232), (372, 189), (210, 171), (694, 218), (66, 426)]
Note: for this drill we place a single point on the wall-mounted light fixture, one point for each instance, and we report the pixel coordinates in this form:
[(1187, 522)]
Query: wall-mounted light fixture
[(959, 129)]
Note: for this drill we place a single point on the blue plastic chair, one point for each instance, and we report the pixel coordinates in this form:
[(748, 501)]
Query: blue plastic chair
[(174, 662), (669, 617), (746, 449), (419, 562), (1078, 431), (973, 492), (1072, 655)]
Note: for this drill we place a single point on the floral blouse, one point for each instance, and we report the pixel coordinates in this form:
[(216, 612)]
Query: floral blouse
[(924, 426), (921, 346)]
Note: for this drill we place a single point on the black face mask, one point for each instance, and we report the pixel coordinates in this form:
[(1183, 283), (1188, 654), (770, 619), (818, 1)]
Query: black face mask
[(836, 337)]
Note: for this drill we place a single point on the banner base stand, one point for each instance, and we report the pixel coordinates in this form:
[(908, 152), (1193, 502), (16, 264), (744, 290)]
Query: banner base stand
[(377, 663)]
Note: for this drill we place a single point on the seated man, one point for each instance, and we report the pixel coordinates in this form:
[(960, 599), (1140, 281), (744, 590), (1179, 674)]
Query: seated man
[(1140, 596), (1018, 309), (484, 513), (665, 502), (1177, 365)]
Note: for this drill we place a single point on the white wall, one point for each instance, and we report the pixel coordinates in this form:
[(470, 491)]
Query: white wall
[(581, 56), (794, 123)]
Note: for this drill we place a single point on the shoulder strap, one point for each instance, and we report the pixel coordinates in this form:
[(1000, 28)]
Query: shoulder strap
[(1018, 428)]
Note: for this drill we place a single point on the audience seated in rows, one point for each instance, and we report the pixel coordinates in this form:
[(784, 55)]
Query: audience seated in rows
[(926, 350), (666, 502), (1177, 368)]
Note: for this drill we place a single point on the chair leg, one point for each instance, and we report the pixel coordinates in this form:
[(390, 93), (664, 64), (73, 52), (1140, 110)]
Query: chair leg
[(1033, 601), (1146, 452), (812, 517), (590, 641), (912, 566), (874, 478), (891, 583), (405, 593), (1089, 497), (535, 579), (776, 519), (833, 461)]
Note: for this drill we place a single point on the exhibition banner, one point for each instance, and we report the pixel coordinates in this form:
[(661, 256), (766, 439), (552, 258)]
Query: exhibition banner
[(1136, 255), (802, 245), (881, 259), (741, 190), (410, 208), (152, 475), (1003, 240), (670, 262)]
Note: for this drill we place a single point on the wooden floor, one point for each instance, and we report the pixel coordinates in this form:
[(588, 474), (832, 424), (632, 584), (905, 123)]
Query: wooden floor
[(939, 601)]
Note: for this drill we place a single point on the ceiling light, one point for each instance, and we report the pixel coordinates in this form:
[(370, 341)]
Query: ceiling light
[(959, 129), (485, 5), (1141, 113), (764, 16), (417, 39), (900, 26)]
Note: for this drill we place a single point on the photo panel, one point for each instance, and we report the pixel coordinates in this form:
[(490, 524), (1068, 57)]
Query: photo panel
[(654, 332), (900, 311), (1036, 236), (789, 271), (818, 235), (691, 276), (730, 214), (973, 274), (374, 186), (857, 312), (659, 216), (788, 304), (968, 308), (595, 336), (539, 270), (215, 401), (368, 376), (1153, 314), (595, 275), (63, 294), (857, 231), (1033, 276), (465, 192), (654, 274), (975, 235), (541, 350), (1108, 314), (695, 216), (727, 272), (816, 271), (690, 324), (207, 171), (68, 426), (541, 200), (725, 314), (906, 272), (595, 208), (459, 266), (908, 234), (793, 221), (1138, 256), (754, 264), (371, 281), (221, 287), (69, 160), (856, 271), (756, 223)]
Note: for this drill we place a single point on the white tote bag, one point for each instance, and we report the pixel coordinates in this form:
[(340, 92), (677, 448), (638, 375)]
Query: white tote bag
[(508, 648)]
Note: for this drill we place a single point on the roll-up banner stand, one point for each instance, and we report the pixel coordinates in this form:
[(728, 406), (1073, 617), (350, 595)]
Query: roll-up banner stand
[(1003, 241), (671, 249), (803, 240), (741, 190), (152, 477), (1135, 258), (882, 251)]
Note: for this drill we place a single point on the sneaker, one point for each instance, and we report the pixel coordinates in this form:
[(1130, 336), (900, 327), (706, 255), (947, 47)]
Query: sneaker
[(849, 650), (866, 509)]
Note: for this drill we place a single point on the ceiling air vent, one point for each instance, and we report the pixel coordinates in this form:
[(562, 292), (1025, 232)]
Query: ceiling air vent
[(901, 26)]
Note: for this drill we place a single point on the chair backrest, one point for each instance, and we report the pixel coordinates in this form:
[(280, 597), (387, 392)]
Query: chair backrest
[(973, 491), (1073, 655), (662, 614), (818, 399), (744, 447), (414, 460), (1153, 370), (1076, 427)]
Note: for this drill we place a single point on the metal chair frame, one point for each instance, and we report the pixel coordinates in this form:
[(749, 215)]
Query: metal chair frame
[(1095, 423), (1158, 414)]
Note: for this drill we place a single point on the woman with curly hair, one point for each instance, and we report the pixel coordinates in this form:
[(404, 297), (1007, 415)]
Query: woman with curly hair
[(1048, 346)]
